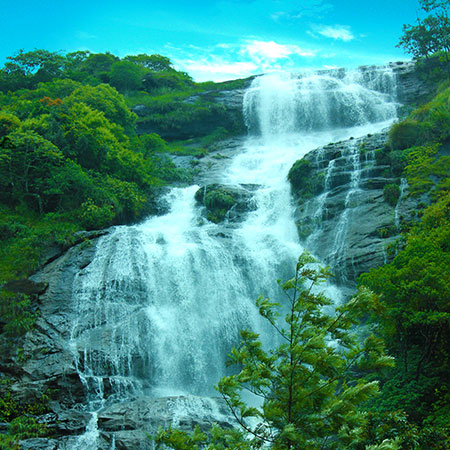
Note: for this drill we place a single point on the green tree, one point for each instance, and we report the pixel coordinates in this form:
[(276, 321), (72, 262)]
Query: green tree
[(155, 63), (98, 65), (416, 320), (431, 34), (27, 69), (106, 99), (27, 161), (311, 385), (126, 76)]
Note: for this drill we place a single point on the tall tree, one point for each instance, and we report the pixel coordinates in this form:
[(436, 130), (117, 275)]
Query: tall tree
[(431, 34), (310, 386)]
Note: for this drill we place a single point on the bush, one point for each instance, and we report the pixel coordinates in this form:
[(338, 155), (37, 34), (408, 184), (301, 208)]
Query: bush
[(300, 174), (217, 202), (391, 194), (94, 217), (408, 133), (8, 123)]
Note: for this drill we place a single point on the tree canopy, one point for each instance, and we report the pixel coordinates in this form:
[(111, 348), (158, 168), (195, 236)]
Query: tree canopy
[(431, 34)]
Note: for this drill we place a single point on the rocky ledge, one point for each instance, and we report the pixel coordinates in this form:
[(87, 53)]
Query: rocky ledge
[(344, 213)]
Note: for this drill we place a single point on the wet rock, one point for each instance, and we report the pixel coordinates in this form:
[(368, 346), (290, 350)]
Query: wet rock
[(348, 224), (39, 444), (225, 202), (26, 286), (411, 88), (129, 423), (46, 364)]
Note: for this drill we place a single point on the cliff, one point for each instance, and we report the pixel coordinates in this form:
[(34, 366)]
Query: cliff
[(343, 213)]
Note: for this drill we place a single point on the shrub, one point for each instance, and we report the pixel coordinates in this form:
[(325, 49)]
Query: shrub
[(300, 174), (94, 217), (391, 194), (408, 133)]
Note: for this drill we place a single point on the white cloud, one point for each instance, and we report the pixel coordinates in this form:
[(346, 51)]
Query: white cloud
[(337, 32), (270, 50), (85, 35), (227, 61)]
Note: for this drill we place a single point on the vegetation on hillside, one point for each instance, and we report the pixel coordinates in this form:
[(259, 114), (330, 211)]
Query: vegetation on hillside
[(70, 156), (74, 156), (415, 286)]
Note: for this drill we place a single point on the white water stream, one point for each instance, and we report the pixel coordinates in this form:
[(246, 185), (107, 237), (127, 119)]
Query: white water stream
[(162, 303)]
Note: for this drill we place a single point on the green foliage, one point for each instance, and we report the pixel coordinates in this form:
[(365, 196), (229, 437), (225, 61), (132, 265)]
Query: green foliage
[(311, 385), (93, 216), (408, 436), (300, 173), (27, 164), (16, 311), (166, 80), (218, 202), (430, 35), (23, 427), (26, 70), (23, 237), (435, 117), (416, 321), (106, 99), (26, 427), (151, 143), (126, 76), (219, 134), (302, 179), (408, 133), (416, 146), (427, 171), (395, 159), (391, 194), (8, 123), (155, 62), (12, 408)]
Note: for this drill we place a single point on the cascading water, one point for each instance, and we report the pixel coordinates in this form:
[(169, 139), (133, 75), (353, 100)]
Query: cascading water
[(162, 303)]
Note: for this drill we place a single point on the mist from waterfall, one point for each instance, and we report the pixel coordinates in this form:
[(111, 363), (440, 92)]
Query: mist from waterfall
[(163, 302)]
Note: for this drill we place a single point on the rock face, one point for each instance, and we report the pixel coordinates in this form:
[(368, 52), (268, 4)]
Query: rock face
[(411, 88), (46, 364), (341, 211), (129, 423)]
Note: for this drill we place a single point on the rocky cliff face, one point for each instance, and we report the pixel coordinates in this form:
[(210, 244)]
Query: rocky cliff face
[(46, 365), (411, 88), (342, 212)]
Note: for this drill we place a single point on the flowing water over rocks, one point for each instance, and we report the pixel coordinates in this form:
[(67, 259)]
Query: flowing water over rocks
[(349, 224), (136, 324)]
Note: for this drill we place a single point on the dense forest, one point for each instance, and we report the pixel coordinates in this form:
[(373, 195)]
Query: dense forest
[(74, 156)]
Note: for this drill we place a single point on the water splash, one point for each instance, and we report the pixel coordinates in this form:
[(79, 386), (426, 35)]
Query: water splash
[(162, 302), (277, 105)]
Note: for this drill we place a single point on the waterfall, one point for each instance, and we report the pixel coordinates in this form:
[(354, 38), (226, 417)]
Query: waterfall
[(163, 302)]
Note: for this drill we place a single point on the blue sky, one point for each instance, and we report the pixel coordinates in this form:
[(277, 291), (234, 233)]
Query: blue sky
[(215, 39)]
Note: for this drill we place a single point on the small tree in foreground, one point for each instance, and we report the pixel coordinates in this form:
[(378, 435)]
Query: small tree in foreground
[(310, 386)]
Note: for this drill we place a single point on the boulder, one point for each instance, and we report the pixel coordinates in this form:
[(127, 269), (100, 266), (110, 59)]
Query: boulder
[(226, 202)]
